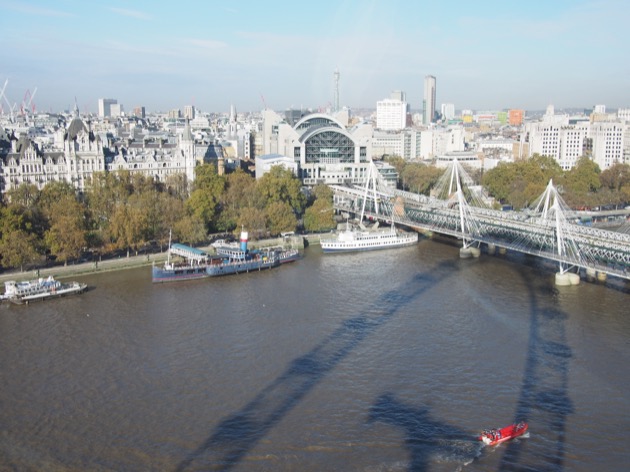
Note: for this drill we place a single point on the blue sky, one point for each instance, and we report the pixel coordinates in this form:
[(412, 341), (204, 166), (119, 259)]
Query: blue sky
[(485, 55)]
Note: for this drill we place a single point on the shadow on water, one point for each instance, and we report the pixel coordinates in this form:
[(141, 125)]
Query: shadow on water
[(544, 399), (237, 434), (543, 403), (425, 438)]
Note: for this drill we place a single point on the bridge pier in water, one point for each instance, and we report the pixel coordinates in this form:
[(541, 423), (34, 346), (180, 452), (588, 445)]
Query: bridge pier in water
[(593, 274), (468, 252), (564, 279)]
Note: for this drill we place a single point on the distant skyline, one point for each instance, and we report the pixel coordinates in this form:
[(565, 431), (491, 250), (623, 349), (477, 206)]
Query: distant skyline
[(485, 55)]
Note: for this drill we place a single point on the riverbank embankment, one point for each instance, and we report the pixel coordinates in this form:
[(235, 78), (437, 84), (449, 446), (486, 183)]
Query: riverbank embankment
[(133, 261)]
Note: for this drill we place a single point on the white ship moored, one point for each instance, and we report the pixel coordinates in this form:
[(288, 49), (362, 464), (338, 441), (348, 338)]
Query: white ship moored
[(367, 240), (39, 289)]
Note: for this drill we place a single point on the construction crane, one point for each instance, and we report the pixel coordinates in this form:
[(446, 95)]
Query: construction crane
[(26, 102), (3, 95)]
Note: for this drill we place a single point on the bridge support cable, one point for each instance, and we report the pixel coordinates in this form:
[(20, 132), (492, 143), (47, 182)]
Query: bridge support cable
[(554, 217), (546, 230)]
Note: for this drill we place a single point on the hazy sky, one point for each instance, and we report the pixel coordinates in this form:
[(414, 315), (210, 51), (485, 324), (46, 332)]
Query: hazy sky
[(485, 55)]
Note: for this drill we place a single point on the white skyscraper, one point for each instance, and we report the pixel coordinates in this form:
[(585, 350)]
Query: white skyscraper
[(104, 106), (428, 107), (448, 111), (391, 114)]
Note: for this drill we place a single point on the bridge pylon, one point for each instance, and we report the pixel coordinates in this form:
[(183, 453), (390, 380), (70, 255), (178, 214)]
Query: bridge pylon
[(553, 212)]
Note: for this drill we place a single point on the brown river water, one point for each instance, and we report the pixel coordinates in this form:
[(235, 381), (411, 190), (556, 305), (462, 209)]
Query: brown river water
[(391, 360)]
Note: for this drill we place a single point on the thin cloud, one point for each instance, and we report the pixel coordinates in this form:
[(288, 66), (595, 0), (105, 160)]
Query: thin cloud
[(139, 15), (33, 10), (205, 43)]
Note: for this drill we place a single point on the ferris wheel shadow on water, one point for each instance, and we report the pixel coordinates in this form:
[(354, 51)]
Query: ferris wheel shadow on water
[(543, 400), (238, 433)]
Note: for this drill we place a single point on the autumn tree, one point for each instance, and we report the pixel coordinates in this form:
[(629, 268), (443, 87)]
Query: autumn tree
[(240, 192), (253, 221), (19, 245), (205, 198), (320, 216), (281, 185), (420, 178), (581, 182), (617, 179), (280, 218), (65, 236)]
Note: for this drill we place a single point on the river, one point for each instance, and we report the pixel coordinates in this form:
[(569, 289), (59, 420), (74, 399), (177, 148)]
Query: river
[(384, 361)]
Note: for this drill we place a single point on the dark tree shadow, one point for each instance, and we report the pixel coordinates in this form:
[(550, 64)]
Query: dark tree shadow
[(237, 434)]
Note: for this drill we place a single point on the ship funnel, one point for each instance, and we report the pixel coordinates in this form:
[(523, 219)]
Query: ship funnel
[(244, 237)]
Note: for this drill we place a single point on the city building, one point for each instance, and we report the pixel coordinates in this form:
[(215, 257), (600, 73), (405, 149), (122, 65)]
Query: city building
[(448, 111), (104, 107), (77, 151), (323, 148), (266, 162), (77, 154), (139, 112), (116, 110), (391, 113), (189, 112), (566, 138), (428, 105), (515, 117)]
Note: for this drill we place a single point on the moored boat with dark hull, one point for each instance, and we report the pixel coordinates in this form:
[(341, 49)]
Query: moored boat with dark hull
[(230, 259)]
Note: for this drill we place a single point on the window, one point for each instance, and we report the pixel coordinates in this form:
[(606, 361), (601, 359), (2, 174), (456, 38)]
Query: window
[(329, 147)]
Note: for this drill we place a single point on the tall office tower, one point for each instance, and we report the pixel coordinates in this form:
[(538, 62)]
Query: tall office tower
[(398, 95), (189, 112), (429, 100), (336, 97), (105, 106), (139, 112)]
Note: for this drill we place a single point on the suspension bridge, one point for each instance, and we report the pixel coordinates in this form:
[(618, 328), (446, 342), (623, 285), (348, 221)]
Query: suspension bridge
[(462, 210)]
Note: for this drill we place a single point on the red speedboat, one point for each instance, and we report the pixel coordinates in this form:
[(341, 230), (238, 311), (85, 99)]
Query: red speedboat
[(494, 436)]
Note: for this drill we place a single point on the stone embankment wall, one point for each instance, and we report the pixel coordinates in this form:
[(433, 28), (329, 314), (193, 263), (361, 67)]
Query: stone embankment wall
[(84, 268)]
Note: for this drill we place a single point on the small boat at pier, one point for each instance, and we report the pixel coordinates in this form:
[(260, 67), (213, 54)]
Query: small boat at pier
[(39, 290), (495, 436)]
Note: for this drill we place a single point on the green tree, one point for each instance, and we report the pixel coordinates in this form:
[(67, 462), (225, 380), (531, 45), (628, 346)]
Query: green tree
[(420, 178), (320, 216), (399, 164), (126, 227), (206, 196), (581, 182), (280, 218), (190, 230), (18, 248), (240, 192), (65, 237), (253, 221), (281, 185), (521, 183)]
